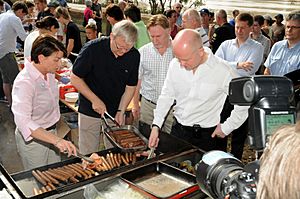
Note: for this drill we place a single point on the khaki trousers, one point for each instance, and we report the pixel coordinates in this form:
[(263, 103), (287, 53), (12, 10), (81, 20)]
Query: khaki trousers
[(91, 138), (147, 115), (35, 153)]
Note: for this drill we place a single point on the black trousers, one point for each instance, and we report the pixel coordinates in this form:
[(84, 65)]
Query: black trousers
[(197, 136), (238, 136)]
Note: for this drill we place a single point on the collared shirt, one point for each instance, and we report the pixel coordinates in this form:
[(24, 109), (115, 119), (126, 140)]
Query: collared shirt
[(265, 42), (250, 50), (204, 37), (10, 27), (199, 96), (282, 59), (153, 70), (35, 100)]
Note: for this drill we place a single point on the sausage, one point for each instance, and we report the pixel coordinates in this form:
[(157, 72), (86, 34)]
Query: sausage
[(35, 191), (74, 180), (124, 160), (109, 161), (48, 188), (44, 190), (43, 176), (39, 178), (106, 163), (73, 170), (133, 158), (79, 166), (130, 157), (119, 159), (55, 175), (115, 156), (59, 172), (52, 186), (53, 180), (127, 157), (85, 176)]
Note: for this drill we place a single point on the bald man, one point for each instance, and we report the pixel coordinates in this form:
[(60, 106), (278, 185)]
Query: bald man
[(199, 82)]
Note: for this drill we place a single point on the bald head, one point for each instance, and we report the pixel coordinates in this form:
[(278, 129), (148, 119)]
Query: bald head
[(187, 39), (191, 19), (187, 48)]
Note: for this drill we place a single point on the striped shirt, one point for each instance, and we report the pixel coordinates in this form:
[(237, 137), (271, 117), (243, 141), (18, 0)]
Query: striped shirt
[(204, 37), (153, 70)]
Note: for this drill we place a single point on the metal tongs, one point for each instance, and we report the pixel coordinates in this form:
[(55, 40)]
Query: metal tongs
[(88, 159), (151, 153), (111, 118)]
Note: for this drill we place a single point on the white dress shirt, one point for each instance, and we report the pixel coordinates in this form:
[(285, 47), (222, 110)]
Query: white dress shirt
[(199, 96)]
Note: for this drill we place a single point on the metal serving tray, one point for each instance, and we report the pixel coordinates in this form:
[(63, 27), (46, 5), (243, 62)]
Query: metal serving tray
[(162, 181), (131, 129), (23, 182), (186, 162)]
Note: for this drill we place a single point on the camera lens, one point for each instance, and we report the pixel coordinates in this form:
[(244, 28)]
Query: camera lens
[(216, 171)]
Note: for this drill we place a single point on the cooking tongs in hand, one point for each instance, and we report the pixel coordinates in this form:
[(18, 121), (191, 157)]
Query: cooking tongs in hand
[(112, 119), (106, 124)]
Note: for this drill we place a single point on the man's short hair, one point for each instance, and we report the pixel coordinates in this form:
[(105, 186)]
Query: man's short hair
[(133, 13), (169, 13), (158, 20), (295, 15), (259, 19), (245, 17), (20, 5), (127, 30), (62, 12), (115, 12), (222, 14), (192, 14)]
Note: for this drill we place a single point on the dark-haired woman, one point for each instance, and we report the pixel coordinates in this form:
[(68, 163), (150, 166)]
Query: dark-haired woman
[(35, 106), (47, 25)]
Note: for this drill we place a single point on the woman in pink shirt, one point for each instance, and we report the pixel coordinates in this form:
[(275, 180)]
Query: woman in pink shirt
[(35, 106)]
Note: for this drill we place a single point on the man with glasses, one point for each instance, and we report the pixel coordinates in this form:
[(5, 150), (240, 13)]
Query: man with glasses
[(10, 28), (105, 74), (284, 56), (199, 82)]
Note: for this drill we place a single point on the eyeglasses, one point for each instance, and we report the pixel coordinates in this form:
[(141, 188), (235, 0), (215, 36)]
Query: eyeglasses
[(121, 48), (178, 7), (292, 27)]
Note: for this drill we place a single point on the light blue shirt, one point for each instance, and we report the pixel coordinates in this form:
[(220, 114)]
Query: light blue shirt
[(10, 27), (250, 50), (282, 59)]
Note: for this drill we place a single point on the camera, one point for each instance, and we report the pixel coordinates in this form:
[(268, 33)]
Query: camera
[(221, 175)]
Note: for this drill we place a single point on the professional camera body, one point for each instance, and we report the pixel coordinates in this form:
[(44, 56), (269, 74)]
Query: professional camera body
[(219, 174)]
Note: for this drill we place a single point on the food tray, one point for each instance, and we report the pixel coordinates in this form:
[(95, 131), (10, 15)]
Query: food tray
[(162, 181), (130, 128), (186, 162)]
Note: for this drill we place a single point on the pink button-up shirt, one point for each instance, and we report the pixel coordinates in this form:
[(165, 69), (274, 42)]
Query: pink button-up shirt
[(35, 100)]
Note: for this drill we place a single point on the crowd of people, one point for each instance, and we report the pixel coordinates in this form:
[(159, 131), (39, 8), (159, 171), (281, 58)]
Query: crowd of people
[(176, 67)]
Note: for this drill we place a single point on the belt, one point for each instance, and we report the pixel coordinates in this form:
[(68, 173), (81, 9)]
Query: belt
[(51, 127), (195, 127), (149, 101)]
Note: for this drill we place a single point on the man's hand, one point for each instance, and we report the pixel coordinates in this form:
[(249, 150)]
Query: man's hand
[(218, 132), (153, 139), (120, 117), (247, 66), (99, 107), (136, 111)]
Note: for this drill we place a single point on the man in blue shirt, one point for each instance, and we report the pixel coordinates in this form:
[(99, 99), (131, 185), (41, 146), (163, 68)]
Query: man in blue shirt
[(10, 28), (245, 56), (284, 56)]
